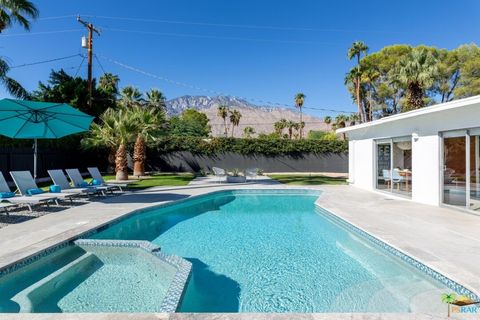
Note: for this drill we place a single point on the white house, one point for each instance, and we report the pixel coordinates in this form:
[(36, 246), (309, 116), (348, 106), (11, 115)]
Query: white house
[(431, 155)]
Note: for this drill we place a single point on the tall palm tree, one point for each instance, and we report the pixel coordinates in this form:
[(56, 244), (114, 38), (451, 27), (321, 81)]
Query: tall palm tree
[(417, 73), (299, 101), (222, 112), (155, 99), (115, 130), (149, 121), (17, 11), (108, 82), (355, 51), (235, 117)]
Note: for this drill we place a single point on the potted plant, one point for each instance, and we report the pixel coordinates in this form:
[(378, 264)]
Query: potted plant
[(235, 176)]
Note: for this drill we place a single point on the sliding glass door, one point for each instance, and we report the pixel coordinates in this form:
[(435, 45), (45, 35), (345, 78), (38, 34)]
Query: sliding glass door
[(461, 169), (393, 165)]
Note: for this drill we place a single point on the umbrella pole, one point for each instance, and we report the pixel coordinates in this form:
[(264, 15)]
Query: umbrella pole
[(35, 159)]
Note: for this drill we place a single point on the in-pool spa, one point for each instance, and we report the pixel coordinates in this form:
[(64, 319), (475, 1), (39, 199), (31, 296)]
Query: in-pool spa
[(250, 251)]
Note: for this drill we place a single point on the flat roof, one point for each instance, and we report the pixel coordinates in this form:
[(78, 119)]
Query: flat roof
[(414, 113)]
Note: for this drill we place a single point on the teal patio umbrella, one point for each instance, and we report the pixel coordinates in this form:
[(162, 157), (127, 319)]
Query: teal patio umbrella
[(21, 119)]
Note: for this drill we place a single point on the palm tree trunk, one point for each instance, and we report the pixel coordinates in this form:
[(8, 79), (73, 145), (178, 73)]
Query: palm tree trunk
[(121, 163), (361, 115), (139, 157), (225, 127), (301, 121), (233, 128)]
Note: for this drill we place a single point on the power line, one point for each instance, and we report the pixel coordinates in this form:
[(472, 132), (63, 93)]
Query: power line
[(39, 33), (265, 27), (214, 92), (45, 61), (99, 63), (58, 17), (185, 35), (80, 66)]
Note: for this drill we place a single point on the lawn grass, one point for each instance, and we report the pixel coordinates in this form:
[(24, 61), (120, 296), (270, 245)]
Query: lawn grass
[(307, 180), (158, 180)]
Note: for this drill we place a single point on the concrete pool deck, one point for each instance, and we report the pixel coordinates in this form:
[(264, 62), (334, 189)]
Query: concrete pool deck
[(444, 239)]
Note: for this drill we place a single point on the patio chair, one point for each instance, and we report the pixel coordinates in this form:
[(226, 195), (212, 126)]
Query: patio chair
[(77, 180), (59, 178), (386, 176), (397, 178), (25, 200), (96, 175), (25, 183), (220, 173), (251, 173)]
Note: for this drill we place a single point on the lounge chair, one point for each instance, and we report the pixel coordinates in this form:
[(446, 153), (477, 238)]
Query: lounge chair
[(25, 200), (251, 173), (77, 180), (25, 184), (59, 178), (96, 175), (220, 173)]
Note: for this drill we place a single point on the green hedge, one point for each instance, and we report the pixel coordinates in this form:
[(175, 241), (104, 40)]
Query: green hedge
[(248, 146)]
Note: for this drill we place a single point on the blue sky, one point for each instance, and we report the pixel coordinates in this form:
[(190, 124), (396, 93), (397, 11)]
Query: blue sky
[(263, 50)]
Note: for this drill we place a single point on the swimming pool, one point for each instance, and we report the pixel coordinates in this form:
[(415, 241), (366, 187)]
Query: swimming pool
[(275, 251)]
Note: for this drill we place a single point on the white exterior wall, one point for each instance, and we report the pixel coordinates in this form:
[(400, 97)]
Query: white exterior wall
[(426, 170), (362, 158)]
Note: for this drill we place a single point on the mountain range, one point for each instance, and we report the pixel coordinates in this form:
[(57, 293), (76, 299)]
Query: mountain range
[(261, 118)]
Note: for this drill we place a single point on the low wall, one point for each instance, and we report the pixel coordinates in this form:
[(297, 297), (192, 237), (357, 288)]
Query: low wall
[(188, 162)]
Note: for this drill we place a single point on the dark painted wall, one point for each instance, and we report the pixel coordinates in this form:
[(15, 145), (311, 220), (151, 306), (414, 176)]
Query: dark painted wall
[(185, 161), (12, 159)]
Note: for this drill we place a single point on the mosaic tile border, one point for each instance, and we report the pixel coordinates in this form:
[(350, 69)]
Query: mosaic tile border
[(175, 291), (458, 288)]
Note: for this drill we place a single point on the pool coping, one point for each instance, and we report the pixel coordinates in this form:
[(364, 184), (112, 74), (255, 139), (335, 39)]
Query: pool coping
[(42, 252)]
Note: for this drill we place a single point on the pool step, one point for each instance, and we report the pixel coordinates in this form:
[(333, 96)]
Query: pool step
[(43, 295)]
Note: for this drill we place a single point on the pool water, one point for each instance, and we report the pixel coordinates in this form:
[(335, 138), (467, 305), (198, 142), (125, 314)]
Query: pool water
[(270, 252), (102, 279)]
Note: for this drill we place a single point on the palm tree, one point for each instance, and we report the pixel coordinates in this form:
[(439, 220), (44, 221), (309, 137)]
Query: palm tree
[(248, 132), (155, 99), (149, 122), (298, 127), (235, 117), (327, 119), (109, 83), (115, 130), (130, 96), (291, 125), (16, 11), (356, 50), (280, 125), (340, 122), (416, 72), (299, 100), (222, 112)]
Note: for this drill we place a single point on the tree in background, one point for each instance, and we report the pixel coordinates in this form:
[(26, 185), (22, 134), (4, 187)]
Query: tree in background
[(222, 112), (327, 120), (108, 83), (299, 101), (291, 126), (155, 99), (62, 87), (321, 135), (416, 72), (11, 12), (235, 117), (355, 75), (248, 132), (190, 123), (130, 97), (279, 126)]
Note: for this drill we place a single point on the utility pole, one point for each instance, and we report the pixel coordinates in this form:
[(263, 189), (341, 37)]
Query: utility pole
[(91, 29)]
